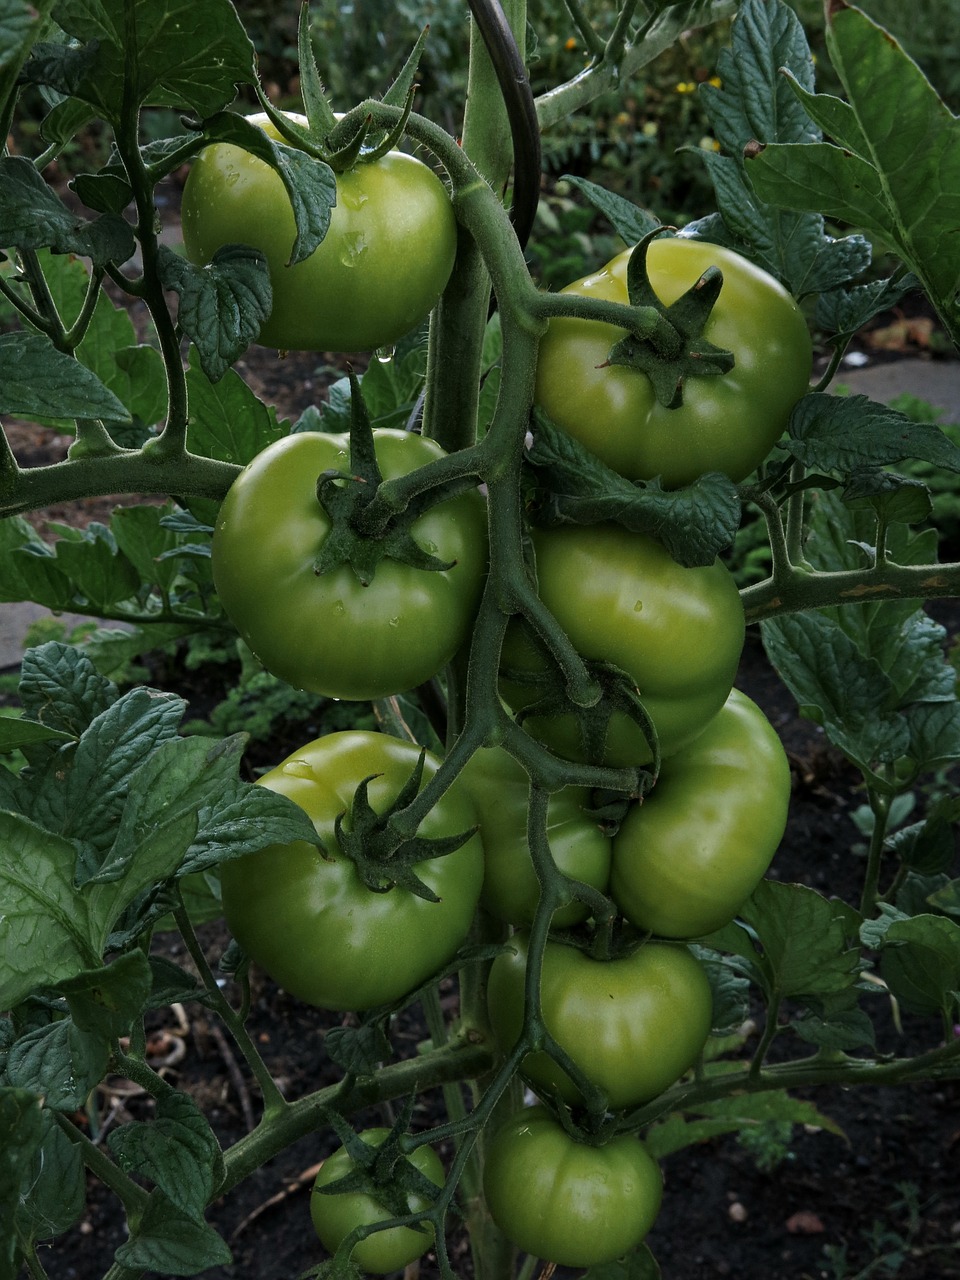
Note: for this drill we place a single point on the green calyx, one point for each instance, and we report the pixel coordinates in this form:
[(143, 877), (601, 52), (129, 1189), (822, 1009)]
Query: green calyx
[(341, 143), (345, 496), (383, 859), (693, 356)]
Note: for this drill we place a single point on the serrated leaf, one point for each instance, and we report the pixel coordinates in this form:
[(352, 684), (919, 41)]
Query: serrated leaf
[(844, 433), (358, 1050), (54, 1185), (629, 221), (38, 381), (731, 1115), (844, 311), (803, 938), (177, 1151), (60, 687), (754, 102), (171, 1242), (835, 1022), (104, 1001), (244, 819), (897, 172), (21, 1135), (46, 934), (837, 686), (694, 523), (32, 216), (227, 421), (920, 963), (15, 732), (60, 1062), (222, 305), (171, 64)]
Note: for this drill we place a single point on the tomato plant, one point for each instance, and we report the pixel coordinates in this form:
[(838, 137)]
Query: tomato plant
[(580, 848), (309, 918), (335, 1215), (328, 632), (622, 599), (687, 858), (376, 274), (568, 1201), (633, 1024), (727, 422)]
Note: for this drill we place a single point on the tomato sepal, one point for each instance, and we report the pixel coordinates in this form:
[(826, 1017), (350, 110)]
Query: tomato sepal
[(688, 316)]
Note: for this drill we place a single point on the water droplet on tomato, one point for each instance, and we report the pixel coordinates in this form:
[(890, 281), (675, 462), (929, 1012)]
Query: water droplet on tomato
[(297, 769), (385, 354), (638, 607)]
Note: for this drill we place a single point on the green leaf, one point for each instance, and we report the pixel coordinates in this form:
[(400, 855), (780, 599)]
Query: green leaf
[(54, 1194), (15, 732), (920, 963), (32, 216), (694, 523), (844, 311), (60, 1062), (629, 221), (60, 687), (46, 934), (742, 1111), (170, 64), (21, 21), (21, 1136), (639, 1264), (227, 421), (896, 167), (37, 380), (803, 941), (358, 1050), (104, 1001), (845, 433), (835, 1021), (837, 686), (171, 1242), (177, 1151), (222, 305), (100, 575), (755, 104)]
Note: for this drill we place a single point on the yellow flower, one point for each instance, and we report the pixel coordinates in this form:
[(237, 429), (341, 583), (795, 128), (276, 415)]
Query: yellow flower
[(685, 86), (715, 81), (570, 44)]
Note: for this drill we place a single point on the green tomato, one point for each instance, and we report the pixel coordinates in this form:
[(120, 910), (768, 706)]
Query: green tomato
[(622, 599), (328, 633), (308, 919), (377, 273), (688, 857), (728, 422), (499, 785), (566, 1201), (337, 1214), (633, 1024)]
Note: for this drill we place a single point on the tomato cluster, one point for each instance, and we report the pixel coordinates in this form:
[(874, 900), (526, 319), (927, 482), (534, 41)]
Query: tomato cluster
[(625, 1005)]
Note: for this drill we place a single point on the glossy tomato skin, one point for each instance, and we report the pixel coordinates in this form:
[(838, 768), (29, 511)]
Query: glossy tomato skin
[(377, 273), (308, 919), (633, 1024), (328, 633), (727, 423), (566, 1201), (622, 599), (498, 786), (688, 857), (336, 1215)]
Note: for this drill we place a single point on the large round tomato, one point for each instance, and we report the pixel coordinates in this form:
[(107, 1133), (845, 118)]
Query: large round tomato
[(326, 632), (581, 850), (336, 1214), (376, 274), (687, 858), (566, 1201), (727, 422), (308, 919), (622, 599), (633, 1024)]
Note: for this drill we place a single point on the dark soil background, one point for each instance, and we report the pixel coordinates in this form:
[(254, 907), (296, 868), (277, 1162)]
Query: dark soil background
[(722, 1215)]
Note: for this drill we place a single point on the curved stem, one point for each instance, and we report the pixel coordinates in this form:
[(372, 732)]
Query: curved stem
[(804, 589)]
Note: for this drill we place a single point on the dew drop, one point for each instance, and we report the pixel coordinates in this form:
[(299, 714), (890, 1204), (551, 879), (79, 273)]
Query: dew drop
[(297, 769), (338, 607), (638, 607), (394, 622), (385, 354)]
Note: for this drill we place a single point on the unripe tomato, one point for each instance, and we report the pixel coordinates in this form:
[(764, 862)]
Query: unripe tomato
[(633, 1024), (727, 422), (688, 857), (567, 1201), (377, 273), (581, 850), (622, 599), (337, 1214)]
